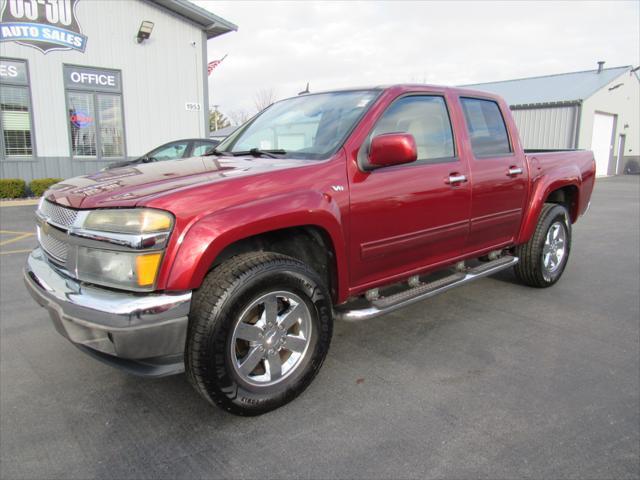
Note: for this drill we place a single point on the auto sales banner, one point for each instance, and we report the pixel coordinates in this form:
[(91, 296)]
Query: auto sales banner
[(43, 24)]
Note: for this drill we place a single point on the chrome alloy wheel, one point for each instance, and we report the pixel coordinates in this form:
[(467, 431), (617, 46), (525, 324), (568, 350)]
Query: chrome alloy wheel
[(271, 338), (554, 249)]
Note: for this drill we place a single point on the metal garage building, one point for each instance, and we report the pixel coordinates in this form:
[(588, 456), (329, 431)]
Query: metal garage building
[(86, 83), (596, 109)]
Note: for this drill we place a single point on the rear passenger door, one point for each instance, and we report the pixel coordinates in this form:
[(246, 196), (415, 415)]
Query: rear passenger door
[(498, 173)]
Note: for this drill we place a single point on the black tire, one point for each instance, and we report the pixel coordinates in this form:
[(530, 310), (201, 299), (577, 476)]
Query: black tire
[(217, 308), (531, 269)]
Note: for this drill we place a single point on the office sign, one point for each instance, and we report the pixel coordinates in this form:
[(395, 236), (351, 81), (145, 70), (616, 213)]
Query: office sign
[(94, 79), (13, 71), (43, 24)]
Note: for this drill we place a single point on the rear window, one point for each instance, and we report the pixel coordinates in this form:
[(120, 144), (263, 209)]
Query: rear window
[(487, 130)]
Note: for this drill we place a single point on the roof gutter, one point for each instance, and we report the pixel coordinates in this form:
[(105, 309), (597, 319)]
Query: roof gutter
[(210, 23), (529, 106)]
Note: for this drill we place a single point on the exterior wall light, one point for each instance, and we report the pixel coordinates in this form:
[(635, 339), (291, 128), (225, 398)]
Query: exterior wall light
[(144, 32)]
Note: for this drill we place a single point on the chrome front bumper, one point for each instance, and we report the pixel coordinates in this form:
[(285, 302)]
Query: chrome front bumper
[(142, 333)]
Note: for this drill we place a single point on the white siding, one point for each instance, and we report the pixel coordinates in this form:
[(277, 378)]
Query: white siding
[(546, 127), (158, 76), (624, 103)]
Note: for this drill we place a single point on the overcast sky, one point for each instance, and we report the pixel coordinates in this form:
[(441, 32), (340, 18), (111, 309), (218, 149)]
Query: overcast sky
[(282, 46)]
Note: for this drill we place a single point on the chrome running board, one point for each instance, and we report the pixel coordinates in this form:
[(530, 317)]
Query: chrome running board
[(402, 299)]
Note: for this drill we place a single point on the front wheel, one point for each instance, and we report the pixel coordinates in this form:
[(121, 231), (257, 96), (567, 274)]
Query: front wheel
[(259, 330), (544, 257)]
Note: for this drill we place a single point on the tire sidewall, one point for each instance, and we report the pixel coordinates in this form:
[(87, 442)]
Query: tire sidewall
[(291, 277), (556, 214)]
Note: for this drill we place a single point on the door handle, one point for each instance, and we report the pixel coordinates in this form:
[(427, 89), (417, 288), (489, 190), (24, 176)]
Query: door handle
[(514, 171), (455, 178)]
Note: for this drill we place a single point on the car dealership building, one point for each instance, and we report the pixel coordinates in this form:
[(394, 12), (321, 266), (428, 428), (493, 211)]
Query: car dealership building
[(86, 83)]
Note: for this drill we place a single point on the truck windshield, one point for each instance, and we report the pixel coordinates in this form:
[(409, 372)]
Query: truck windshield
[(307, 127)]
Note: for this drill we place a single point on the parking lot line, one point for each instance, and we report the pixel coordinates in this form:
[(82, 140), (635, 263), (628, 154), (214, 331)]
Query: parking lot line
[(14, 232), (9, 252), (20, 236)]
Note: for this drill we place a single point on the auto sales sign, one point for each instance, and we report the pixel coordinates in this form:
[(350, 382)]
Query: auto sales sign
[(43, 24)]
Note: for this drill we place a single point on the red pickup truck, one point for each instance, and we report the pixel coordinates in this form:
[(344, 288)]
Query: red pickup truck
[(342, 205)]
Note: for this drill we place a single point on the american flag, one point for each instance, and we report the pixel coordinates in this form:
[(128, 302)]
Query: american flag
[(214, 64)]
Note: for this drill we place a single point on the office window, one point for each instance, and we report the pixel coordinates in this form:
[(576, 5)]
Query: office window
[(486, 127), (94, 110), (15, 109), (82, 122), (427, 119), (111, 125)]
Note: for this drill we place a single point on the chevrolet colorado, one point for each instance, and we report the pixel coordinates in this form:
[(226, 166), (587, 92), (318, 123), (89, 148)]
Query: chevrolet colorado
[(338, 205)]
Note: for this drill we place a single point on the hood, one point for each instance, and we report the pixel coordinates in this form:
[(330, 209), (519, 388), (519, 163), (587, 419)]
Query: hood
[(132, 185)]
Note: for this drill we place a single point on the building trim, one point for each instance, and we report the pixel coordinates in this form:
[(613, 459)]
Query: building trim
[(543, 76), (209, 23), (578, 126), (530, 106), (205, 85)]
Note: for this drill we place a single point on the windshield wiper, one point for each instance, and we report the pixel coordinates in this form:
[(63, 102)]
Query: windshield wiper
[(257, 152)]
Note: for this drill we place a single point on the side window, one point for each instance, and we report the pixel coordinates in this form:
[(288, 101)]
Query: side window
[(427, 119), (200, 148), (169, 152), (486, 126), (15, 109)]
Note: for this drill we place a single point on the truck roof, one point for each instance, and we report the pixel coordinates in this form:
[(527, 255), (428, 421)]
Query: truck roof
[(414, 87)]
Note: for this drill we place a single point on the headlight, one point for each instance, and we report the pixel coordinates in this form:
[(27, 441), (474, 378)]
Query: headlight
[(134, 240), (128, 270), (132, 221)]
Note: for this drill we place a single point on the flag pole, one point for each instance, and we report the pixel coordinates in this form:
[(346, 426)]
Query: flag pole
[(210, 67)]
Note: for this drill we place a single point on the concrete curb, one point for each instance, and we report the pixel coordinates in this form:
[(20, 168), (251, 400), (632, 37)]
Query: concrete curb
[(19, 203)]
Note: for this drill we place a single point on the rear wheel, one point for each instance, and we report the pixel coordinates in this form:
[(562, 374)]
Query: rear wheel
[(259, 330), (544, 257)]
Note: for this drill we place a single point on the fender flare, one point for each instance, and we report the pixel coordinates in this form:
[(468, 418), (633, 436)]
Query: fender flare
[(202, 242), (540, 191)]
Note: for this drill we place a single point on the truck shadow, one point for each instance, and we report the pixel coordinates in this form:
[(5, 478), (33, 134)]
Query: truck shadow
[(507, 276)]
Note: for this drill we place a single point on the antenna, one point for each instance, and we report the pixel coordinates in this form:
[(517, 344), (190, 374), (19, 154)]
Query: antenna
[(306, 90)]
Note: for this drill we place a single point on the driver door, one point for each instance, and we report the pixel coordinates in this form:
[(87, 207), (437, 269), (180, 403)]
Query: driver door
[(405, 218)]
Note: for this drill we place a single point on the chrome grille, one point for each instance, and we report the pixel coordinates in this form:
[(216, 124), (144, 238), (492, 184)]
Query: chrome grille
[(53, 247), (58, 214)]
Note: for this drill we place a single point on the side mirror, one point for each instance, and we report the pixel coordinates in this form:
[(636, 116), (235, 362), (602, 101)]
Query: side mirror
[(392, 149)]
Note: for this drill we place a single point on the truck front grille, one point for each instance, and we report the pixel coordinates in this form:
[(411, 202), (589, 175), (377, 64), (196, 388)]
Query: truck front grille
[(58, 214), (54, 248)]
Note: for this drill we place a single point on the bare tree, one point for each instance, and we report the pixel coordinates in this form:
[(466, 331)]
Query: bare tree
[(238, 117), (263, 98)]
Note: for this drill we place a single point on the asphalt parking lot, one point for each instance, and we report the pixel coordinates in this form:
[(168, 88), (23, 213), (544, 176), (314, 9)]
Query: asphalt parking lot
[(492, 380)]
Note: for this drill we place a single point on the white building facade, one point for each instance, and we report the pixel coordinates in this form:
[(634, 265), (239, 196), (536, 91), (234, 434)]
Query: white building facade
[(83, 83)]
